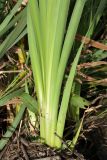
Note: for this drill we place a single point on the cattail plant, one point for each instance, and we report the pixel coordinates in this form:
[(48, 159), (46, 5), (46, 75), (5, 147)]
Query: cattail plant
[(50, 41), (51, 26)]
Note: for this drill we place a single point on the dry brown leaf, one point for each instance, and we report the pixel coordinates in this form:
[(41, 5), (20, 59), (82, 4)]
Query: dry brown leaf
[(91, 42), (90, 64)]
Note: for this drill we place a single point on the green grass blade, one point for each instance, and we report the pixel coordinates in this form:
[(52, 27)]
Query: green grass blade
[(75, 138), (97, 16), (34, 10), (70, 36), (68, 43), (13, 36), (36, 66), (11, 14), (22, 34), (12, 22), (29, 102), (35, 59), (6, 97), (55, 50), (12, 128), (66, 97)]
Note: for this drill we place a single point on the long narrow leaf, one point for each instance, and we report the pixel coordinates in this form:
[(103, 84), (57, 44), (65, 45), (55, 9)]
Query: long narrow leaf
[(11, 14), (68, 43), (5, 98), (12, 22), (66, 97), (29, 102), (13, 36), (12, 128)]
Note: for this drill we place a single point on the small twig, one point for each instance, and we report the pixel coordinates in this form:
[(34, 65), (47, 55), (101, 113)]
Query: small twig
[(17, 139), (13, 61), (4, 150), (96, 99), (26, 77), (100, 97), (2, 65), (49, 158), (4, 72), (24, 152), (86, 77), (35, 130), (93, 109), (24, 141), (19, 129), (101, 82)]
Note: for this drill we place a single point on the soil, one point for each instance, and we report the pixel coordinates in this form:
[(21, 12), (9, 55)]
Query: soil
[(23, 150)]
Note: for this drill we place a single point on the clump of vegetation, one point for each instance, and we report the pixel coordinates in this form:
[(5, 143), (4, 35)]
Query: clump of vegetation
[(67, 65)]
